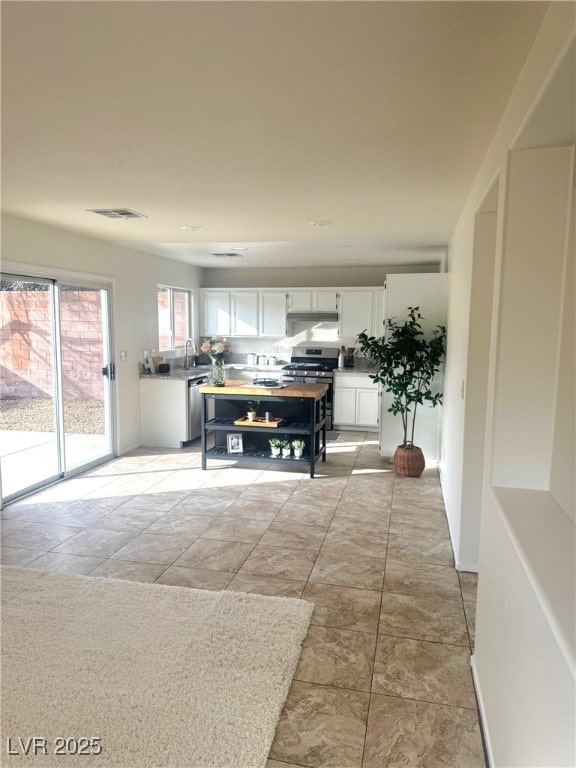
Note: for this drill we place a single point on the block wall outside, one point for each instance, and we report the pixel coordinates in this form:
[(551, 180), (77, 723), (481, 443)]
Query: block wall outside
[(26, 349)]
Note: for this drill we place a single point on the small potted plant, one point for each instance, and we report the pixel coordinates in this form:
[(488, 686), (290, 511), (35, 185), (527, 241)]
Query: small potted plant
[(251, 408), (276, 444), (286, 448), (298, 446)]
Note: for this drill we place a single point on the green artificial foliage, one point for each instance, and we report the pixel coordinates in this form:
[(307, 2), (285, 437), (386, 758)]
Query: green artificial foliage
[(407, 363)]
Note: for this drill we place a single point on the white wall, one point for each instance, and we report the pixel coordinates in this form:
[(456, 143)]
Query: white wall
[(317, 277), (464, 419), (135, 276), (524, 677), (532, 278), (517, 379), (468, 452), (526, 642), (562, 475)]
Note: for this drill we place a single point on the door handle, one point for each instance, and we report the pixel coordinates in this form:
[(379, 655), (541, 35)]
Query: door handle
[(110, 371)]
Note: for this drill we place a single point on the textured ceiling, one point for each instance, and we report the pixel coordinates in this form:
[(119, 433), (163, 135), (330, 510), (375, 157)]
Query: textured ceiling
[(253, 119)]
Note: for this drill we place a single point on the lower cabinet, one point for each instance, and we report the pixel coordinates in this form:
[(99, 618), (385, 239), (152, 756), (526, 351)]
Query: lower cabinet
[(356, 401), (164, 412)]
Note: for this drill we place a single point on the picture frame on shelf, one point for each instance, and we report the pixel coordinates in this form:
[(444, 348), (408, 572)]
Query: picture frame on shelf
[(234, 442)]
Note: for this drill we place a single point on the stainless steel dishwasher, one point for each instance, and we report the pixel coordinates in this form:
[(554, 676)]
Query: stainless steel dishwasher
[(194, 406)]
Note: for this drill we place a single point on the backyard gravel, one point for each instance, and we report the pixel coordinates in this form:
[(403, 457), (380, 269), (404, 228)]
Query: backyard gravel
[(36, 414)]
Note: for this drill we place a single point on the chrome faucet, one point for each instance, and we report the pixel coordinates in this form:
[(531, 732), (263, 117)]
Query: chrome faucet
[(195, 351)]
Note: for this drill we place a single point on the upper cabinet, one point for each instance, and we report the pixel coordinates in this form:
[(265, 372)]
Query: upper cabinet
[(313, 300), (272, 313), (244, 313), (300, 300), (356, 311), (325, 300), (216, 315), (251, 312)]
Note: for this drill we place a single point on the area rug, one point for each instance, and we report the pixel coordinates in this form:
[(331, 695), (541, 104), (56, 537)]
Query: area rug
[(146, 674)]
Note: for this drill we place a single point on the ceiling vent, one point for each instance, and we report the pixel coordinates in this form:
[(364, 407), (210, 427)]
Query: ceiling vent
[(117, 213), (227, 255)]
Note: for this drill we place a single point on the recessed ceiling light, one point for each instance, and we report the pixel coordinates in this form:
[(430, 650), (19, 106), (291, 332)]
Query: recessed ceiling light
[(191, 228), (348, 259), (321, 223), (238, 248)]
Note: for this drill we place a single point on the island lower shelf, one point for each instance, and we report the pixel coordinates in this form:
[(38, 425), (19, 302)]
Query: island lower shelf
[(302, 410)]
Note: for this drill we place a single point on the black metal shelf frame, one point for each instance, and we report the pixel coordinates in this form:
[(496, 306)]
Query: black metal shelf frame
[(314, 427)]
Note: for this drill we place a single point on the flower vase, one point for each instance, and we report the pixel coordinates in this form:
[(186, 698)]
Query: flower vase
[(217, 374)]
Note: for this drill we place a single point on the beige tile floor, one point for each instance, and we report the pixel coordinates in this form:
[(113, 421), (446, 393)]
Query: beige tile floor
[(384, 676)]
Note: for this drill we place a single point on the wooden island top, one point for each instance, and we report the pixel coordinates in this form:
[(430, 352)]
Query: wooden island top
[(245, 388)]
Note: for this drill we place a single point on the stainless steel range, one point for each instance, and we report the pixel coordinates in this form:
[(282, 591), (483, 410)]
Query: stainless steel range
[(314, 365)]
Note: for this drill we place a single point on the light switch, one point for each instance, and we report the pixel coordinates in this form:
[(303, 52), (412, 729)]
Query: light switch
[(124, 354)]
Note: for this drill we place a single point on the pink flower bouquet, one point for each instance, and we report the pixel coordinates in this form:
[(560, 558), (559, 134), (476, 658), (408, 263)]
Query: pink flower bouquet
[(217, 348)]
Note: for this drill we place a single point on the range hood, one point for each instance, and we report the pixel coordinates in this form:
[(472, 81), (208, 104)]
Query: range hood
[(313, 317)]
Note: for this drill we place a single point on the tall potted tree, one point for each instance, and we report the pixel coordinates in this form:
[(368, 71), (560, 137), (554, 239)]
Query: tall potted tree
[(407, 363)]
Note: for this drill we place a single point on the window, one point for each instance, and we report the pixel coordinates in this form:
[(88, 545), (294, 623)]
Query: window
[(173, 317)]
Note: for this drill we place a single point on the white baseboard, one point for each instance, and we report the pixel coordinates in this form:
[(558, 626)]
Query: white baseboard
[(482, 713), (467, 567), (124, 451)]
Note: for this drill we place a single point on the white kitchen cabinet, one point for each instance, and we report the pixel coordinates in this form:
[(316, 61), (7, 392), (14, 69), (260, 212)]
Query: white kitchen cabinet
[(217, 313), (356, 311), (429, 292), (255, 312), (356, 401), (367, 405), (325, 300), (272, 313), (344, 406), (300, 300), (379, 312), (244, 316), (313, 300), (164, 412)]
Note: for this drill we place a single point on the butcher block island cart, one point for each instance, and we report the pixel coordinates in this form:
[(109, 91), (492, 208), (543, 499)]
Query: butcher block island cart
[(295, 412)]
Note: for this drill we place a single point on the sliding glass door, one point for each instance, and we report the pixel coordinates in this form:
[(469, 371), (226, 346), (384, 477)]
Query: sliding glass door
[(55, 380)]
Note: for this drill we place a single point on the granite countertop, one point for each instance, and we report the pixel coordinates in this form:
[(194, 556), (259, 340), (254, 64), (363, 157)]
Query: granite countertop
[(204, 370), (355, 371)]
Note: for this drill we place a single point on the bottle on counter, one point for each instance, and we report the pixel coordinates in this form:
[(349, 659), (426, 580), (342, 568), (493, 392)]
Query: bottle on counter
[(341, 361)]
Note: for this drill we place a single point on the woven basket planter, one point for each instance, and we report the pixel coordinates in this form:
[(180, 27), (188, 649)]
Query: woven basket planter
[(408, 461)]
